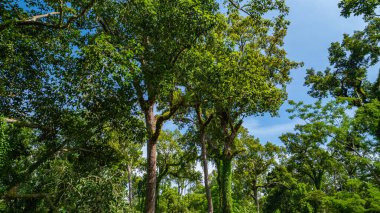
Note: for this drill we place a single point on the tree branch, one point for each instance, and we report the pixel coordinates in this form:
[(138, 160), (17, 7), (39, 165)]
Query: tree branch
[(140, 95), (164, 117), (33, 21), (175, 58), (238, 7), (26, 175), (12, 196), (21, 123), (208, 120), (34, 18), (199, 115)]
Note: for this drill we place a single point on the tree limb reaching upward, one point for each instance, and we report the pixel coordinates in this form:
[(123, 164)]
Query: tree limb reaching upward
[(166, 116)]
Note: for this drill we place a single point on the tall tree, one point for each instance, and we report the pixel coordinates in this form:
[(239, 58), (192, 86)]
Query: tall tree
[(137, 47), (244, 62), (198, 117), (164, 30)]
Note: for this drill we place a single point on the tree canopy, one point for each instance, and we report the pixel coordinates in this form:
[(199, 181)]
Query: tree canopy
[(140, 106)]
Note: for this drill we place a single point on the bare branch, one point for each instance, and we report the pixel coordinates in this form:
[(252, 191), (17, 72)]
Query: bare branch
[(34, 18), (11, 120)]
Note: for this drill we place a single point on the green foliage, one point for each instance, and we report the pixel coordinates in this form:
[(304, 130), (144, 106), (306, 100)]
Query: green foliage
[(288, 196), (251, 170), (77, 78), (4, 144), (243, 58), (357, 196), (359, 7), (368, 118)]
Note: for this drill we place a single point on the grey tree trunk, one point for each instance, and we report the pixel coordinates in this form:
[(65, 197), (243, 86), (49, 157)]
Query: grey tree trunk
[(205, 172), (150, 200)]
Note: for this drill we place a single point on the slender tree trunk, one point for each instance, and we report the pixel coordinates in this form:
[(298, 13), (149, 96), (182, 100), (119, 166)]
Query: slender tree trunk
[(178, 189), (202, 126), (205, 172), (226, 184), (256, 196), (150, 200), (129, 184)]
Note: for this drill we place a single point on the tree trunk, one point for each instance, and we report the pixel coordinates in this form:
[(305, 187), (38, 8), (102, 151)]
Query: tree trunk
[(129, 184), (150, 200), (256, 196), (226, 184), (157, 194), (205, 172)]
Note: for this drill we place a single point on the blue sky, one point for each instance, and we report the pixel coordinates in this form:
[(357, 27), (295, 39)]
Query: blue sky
[(314, 25)]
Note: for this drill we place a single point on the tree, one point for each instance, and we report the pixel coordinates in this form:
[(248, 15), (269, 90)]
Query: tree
[(203, 121), (356, 196), (198, 118), (163, 31), (253, 165), (243, 61), (86, 170)]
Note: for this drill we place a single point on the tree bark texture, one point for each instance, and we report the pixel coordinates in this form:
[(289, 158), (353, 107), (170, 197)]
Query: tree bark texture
[(150, 200), (205, 172), (129, 184)]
